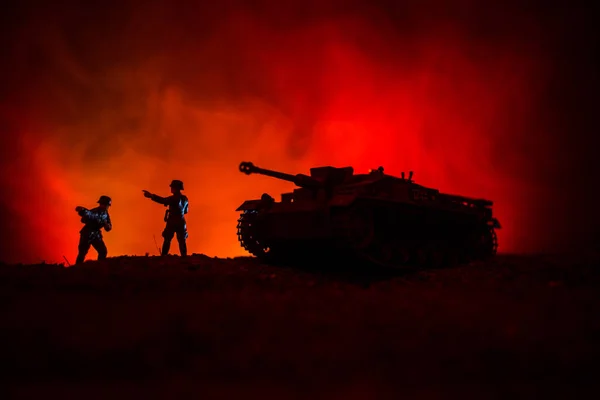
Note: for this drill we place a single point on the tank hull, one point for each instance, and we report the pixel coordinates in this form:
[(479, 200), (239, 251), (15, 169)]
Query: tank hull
[(386, 220), (381, 232)]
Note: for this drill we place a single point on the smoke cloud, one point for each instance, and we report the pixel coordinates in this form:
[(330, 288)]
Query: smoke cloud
[(116, 97)]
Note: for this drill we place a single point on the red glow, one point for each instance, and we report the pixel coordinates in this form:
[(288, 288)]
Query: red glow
[(336, 91)]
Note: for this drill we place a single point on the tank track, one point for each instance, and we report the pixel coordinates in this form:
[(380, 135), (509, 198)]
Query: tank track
[(248, 237), (356, 232), (355, 235), (490, 243), (494, 241)]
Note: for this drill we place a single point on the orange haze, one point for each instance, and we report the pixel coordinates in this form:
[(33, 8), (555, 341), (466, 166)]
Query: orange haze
[(116, 100)]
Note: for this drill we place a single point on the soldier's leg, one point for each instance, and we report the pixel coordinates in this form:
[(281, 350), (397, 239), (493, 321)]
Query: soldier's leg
[(83, 248), (167, 234), (100, 247), (181, 239)]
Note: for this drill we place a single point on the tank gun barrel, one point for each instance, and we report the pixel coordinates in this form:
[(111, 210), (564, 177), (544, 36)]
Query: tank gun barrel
[(300, 180)]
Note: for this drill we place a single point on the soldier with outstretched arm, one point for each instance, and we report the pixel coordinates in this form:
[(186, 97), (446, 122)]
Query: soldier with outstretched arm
[(91, 235), (177, 205)]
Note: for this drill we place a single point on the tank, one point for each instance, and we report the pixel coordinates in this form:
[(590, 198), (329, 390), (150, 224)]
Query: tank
[(382, 219)]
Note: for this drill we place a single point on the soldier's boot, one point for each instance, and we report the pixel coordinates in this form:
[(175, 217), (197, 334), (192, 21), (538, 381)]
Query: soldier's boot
[(80, 258), (181, 240), (82, 249), (165, 247), (100, 247), (182, 248)]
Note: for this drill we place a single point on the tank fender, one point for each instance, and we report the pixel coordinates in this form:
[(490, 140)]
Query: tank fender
[(250, 205)]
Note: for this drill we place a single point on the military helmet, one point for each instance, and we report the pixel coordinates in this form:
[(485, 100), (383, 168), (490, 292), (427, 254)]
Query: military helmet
[(105, 200), (177, 184)]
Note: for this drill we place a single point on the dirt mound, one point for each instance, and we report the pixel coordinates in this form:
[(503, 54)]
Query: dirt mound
[(515, 326)]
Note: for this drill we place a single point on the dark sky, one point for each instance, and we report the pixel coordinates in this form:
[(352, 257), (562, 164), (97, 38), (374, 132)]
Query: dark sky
[(97, 92)]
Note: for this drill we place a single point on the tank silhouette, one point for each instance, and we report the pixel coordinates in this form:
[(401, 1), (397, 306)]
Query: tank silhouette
[(386, 220)]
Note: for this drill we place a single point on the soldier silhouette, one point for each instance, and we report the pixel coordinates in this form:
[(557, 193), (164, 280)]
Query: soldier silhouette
[(174, 217), (90, 235)]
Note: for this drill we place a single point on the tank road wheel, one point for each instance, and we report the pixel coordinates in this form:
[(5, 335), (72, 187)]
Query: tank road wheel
[(356, 230), (381, 252), (360, 229), (249, 236), (401, 253), (390, 253), (435, 255), (470, 249), (357, 233), (453, 255), (482, 244), (420, 255)]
